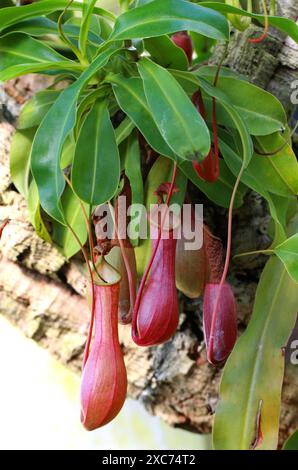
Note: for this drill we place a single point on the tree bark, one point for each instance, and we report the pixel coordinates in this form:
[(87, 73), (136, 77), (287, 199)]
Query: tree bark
[(43, 294)]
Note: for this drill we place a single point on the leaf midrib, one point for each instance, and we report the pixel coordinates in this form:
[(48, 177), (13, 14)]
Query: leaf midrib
[(163, 19), (167, 98)]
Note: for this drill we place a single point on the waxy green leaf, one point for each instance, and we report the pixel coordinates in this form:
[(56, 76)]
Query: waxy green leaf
[(179, 122), (35, 109), (86, 20), (51, 135), (34, 210), (278, 172), (20, 159), (131, 98), (292, 442), (62, 235), (261, 111), (21, 54), (169, 16), (221, 98), (163, 51), (284, 24), (96, 165), (220, 191), (42, 26), (247, 415), (288, 254), (124, 129), (12, 15)]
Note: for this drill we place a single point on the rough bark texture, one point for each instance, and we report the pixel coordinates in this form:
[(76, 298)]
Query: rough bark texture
[(42, 293)]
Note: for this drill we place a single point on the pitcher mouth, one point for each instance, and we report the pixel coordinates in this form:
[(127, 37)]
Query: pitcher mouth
[(109, 275)]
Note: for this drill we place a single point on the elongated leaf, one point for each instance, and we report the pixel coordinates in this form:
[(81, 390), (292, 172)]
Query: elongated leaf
[(124, 129), (262, 112), (284, 24), (218, 192), (20, 54), (43, 26), (96, 165), (248, 411), (20, 159), (87, 14), (6, 3), (278, 172), (163, 51), (62, 235), (292, 442), (131, 98), (35, 109), (34, 211), (180, 124), (169, 16), (288, 254), (12, 15), (238, 123), (50, 137)]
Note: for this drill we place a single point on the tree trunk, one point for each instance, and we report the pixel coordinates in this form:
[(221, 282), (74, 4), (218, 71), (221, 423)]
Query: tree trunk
[(43, 294)]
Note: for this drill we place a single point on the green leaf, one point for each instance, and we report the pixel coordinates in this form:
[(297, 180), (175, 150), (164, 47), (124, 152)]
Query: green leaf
[(20, 159), (253, 181), (238, 123), (35, 109), (87, 14), (284, 24), (131, 98), (68, 151), (62, 235), (203, 47), (96, 165), (169, 16), (132, 166), (262, 113), (163, 51), (247, 146), (179, 122), (279, 172), (43, 26), (12, 15), (34, 211), (51, 135), (20, 54), (220, 191), (6, 3), (250, 390), (288, 254), (292, 442), (124, 129)]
